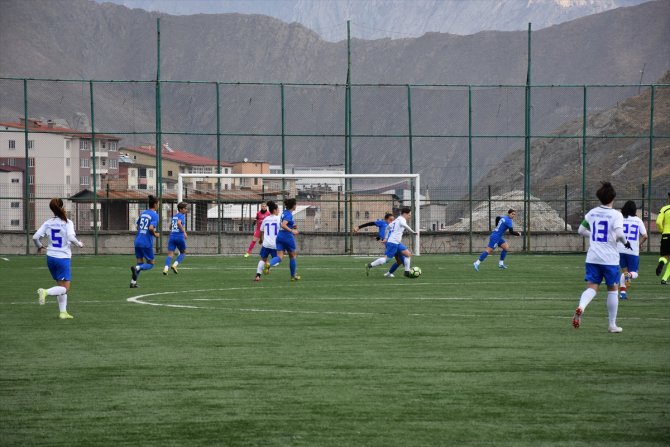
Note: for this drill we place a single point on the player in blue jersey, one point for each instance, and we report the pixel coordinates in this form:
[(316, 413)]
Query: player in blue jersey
[(503, 224), (147, 230), (382, 229), (286, 240), (268, 232), (177, 239), (60, 231)]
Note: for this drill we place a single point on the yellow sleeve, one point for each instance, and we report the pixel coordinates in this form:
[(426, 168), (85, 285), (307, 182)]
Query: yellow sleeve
[(663, 220)]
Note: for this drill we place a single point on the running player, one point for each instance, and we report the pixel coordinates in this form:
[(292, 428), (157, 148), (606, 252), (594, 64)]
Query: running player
[(286, 240), (260, 215), (503, 224), (604, 227), (269, 230), (663, 225), (60, 231), (393, 243), (177, 239), (636, 233), (147, 225), (382, 226)]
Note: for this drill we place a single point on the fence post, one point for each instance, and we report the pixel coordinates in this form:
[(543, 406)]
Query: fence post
[(584, 160), (565, 204), (95, 172), (652, 98), (26, 183), (218, 167), (470, 164)]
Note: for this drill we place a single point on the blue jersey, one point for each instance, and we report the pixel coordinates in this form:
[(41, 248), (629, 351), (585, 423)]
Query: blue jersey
[(175, 231), (382, 225), (144, 237), (504, 224), (288, 217)]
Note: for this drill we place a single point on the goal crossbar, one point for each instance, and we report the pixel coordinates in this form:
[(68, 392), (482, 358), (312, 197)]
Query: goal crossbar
[(416, 212)]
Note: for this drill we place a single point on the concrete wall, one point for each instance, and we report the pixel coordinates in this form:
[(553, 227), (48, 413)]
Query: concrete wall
[(14, 243)]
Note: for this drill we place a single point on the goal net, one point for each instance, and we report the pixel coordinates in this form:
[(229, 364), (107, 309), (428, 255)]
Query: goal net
[(330, 205)]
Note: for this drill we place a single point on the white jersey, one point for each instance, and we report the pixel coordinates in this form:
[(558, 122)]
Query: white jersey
[(633, 228), (396, 229), (603, 224), (270, 228), (61, 235)]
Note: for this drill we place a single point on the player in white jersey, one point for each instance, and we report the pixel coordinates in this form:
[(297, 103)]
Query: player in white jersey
[(60, 231), (604, 227), (629, 260), (268, 229), (393, 243)]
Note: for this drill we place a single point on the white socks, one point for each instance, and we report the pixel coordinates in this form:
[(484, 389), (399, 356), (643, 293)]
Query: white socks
[(612, 307), (406, 262), (587, 297), (379, 261), (261, 265), (56, 291), (62, 302)]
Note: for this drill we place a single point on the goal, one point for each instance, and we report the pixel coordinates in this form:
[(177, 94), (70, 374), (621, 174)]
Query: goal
[(330, 204)]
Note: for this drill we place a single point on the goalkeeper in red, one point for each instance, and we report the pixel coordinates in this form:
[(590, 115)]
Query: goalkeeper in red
[(503, 224), (260, 215), (604, 227)]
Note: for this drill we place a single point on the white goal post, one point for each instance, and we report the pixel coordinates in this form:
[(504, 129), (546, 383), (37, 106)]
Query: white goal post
[(415, 178)]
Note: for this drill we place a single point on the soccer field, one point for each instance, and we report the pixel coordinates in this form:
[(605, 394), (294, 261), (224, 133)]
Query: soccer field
[(208, 357)]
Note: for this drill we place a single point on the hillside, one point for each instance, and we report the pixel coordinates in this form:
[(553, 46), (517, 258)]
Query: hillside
[(81, 39)]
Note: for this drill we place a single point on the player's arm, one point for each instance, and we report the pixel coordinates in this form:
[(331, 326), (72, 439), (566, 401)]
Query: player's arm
[(182, 228), (408, 228), (39, 234), (514, 233), (659, 220), (72, 236), (584, 229), (620, 236), (284, 225)]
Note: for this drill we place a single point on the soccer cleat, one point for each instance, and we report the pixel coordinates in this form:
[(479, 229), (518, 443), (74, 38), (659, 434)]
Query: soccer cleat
[(389, 275), (65, 316), (246, 255), (134, 285), (502, 266), (577, 318), (174, 269), (623, 295), (41, 296), (133, 271), (257, 278), (295, 278), (663, 282), (165, 270), (367, 269), (614, 330), (408, 274), (659, 268), (475, 265), (266, 268)]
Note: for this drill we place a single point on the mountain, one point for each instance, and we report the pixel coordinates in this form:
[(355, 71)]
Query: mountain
[(81, 39), (377, 19)]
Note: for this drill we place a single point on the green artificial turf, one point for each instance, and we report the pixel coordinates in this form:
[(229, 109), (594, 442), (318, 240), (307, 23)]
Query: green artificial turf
[(454, 357)]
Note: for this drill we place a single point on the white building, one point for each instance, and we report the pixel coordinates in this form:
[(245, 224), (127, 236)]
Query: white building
[(11, 202)]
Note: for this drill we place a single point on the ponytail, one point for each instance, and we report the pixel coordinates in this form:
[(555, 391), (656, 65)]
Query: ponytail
[(56, 205)]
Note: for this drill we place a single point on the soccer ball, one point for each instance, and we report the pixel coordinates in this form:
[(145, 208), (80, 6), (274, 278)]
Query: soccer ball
[(415, 272)]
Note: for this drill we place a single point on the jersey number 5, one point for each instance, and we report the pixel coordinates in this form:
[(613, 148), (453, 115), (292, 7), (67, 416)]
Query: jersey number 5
[(56, 239)]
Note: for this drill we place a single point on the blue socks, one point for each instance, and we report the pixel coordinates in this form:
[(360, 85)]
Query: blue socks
[(483, 255), (293, 266)]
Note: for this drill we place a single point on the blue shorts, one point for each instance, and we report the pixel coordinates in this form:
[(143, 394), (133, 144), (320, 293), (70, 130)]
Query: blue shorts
[(285, 242), (179, 243), (268, 252), (495, 242), (631, 262), (394, 249), (596, 272), (59, 268), (144, 252)]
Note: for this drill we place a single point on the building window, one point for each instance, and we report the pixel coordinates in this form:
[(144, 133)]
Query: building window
[(12, 144), (15, 180), (142, 172), (67, 179), (150, 173), (16, 204), (367, 214), (15, 222), (67, 162), (85, 180), (169, 173), (31, 162), (333, 214), (31, 144), (85, 163), (255, 181), (31, 179), (112, 145), (113, 163), (103, 144), (84, 145), (132, 173), (67, 145), (12, 162)]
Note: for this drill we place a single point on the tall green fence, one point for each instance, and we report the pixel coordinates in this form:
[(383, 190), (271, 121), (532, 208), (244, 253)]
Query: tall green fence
[(478, 148)]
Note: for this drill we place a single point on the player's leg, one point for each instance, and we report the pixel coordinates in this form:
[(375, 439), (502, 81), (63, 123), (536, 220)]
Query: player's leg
[(168, 258), (611, 273), (62, 300), (293, 265), (56, 274), (399, 260), (593, 277), (663, 260), (181, 246), (623, 277), (503, 254), (390, 252), (407, 257), (256, 238), (487, 251)]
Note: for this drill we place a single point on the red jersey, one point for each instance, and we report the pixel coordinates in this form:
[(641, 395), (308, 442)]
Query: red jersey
[(259, 218)]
